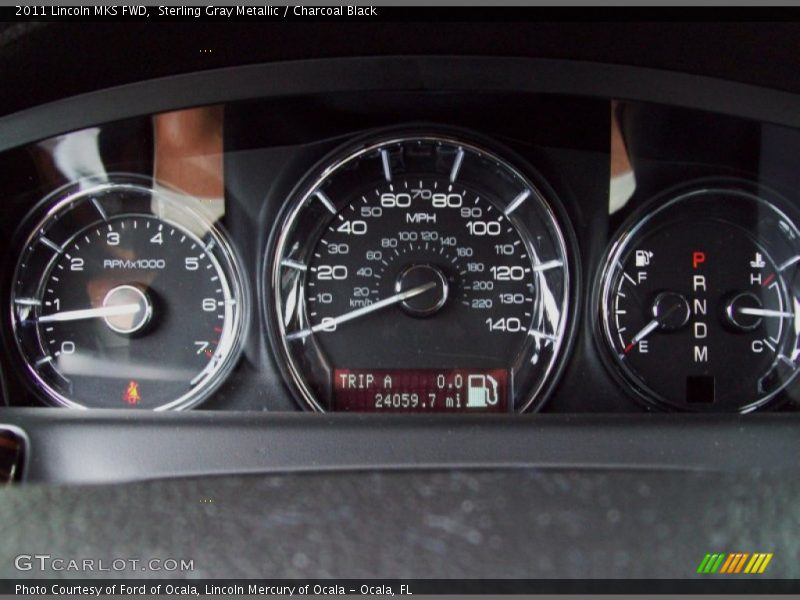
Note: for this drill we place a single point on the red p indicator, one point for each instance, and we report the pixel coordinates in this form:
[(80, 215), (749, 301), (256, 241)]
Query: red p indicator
[(698, 258)]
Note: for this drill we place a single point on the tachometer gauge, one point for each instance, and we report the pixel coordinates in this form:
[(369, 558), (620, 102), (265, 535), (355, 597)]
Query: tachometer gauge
[(126, 297), (419, 273), (699, 301)]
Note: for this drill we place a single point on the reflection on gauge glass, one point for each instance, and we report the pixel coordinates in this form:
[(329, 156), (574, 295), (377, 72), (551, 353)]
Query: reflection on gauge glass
[(419, 274), (699, 301), (127, 297)]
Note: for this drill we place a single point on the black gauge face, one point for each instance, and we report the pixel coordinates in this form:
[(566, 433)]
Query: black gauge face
[(698, 302), (420, 274), (116, 307)]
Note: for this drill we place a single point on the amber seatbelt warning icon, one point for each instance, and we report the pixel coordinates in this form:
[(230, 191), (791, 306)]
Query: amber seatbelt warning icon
[(131, 395)]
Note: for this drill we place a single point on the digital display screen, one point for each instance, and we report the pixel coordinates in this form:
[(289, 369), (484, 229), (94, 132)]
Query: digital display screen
[(421, 390)]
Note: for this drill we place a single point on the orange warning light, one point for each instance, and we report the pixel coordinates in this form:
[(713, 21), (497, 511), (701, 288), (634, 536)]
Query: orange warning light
[(131, 395)]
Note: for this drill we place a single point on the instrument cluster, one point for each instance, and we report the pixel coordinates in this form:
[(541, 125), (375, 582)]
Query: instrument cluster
[(427, 254)]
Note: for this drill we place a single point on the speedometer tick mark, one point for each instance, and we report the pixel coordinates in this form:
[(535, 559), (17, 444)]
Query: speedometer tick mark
[(294, 264), (320, 195), (550, 264), (387, 171), (514, 204), (456, 165), (542, 335)]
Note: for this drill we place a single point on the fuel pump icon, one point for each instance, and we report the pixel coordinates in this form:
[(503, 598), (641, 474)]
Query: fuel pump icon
[(481, 391)]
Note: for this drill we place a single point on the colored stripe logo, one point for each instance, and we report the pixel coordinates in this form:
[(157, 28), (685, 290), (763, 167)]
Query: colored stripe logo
[(734, 563)]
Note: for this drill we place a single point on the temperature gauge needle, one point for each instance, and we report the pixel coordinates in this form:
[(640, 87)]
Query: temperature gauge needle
[(764, 312), (91, 313), (327, 324), (646, 330)]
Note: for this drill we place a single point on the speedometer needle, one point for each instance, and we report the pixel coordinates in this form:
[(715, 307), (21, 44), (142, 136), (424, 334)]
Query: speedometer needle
[(330, 324), (91, 313)]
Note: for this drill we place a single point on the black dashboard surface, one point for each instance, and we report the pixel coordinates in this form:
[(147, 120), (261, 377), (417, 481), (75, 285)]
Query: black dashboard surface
[(515, 524)]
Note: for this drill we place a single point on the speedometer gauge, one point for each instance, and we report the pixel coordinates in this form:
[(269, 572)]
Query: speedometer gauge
[(126, 297), (699, 300), (420, 273)]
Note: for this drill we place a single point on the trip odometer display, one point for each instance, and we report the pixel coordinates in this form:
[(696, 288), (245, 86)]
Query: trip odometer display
[(420, 274)]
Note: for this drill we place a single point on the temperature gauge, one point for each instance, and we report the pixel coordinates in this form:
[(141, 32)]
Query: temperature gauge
[(699, 302)]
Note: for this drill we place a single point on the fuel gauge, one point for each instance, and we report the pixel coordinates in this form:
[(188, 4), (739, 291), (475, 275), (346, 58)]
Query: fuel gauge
[(699, 301)]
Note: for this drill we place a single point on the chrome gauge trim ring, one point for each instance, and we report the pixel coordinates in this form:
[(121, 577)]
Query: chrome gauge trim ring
[(652, 217), (185, 218), (341, 157)]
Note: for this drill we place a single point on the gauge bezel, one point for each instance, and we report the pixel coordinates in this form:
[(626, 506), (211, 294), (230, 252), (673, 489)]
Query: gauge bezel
[(371, 141), (621, 240), (223, 255)]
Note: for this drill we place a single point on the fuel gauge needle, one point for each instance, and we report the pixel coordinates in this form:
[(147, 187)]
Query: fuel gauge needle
[(646, 330), (364, 310)]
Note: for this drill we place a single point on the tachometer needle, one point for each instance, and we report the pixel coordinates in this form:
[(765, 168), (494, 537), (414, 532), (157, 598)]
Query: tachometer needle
[(646, 330), (91, 313), (329, 324)]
